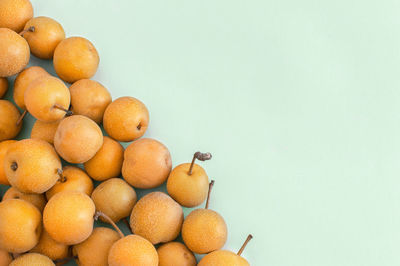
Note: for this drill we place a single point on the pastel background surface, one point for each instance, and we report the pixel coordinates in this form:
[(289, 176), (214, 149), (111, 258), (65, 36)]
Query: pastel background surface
[(297, 100)]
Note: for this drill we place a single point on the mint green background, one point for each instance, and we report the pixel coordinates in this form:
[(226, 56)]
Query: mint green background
[(297, 100)]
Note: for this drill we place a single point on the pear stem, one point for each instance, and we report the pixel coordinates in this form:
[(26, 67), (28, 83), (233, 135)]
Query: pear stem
[(108, 219), (249, 237), (128, 225), (30, 29), (199, 156), (210, 186), (67, 112), (22, 117), (60, 174)]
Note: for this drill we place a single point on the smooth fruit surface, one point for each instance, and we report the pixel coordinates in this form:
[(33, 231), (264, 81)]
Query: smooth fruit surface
[(188, 190), (132, 250), (9, 116), (43, 95), (50, 248), (94, 250), (107, 163), (126, 119), (75, 58), (5, 258), (14, 52), (89, 98), (204, 231), (44, 130), (3, 150), (78, 139), (38, 200), (223, 258), (15, 13), (68, 217), (3, 87), (147, 163), (31, 165), (20, 225), (46, 35), (157, 217), (32, 259), (175, 253)]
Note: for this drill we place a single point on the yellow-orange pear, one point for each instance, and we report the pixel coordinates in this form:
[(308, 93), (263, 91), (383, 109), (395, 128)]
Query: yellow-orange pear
[(9, 115), (132, 250), (43, 34), (147, 163), (75, 58), (47, 99), (14, 52), (3, 150), (32, 259), (107, 163), (31, 165), (157, 217), (20, 225), (44, 130), (50, 248), (188, 183), (94, 250), (204, 230), (89, 98), (15, 13), (3, 87), (175, 253), (72, 178), (78, 139), (5, 258), (115, 198), (38, 200), (68, 217), (225, 257), (126, 119), (22, 82)]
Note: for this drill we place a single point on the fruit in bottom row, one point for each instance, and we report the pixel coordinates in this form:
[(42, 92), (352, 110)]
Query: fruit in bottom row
[(5, 258), (14, 52), (20, 225), (132, 250), (166, 218), (9, 128), (3, 87), (175, 253), (32, 259), (50, 248), (31, 165), (15, 13), (78, 139)]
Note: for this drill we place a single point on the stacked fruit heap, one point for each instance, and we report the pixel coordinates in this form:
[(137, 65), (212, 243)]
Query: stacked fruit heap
[(47, 216)]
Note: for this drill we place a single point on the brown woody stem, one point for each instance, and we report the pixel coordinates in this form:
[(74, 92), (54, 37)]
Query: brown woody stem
[(199, 156), (108, 219), (210, 186), (30, 29), (249, 237), (22, 117), (67, 112), (60, 174)]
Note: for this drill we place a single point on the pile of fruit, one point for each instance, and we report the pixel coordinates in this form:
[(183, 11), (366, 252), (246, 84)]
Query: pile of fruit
[(66, 176)]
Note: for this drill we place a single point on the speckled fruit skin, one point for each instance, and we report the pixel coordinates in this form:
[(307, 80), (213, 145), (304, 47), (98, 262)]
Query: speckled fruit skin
[(126, 119), (75, 58), (5, 258), (50, 248), (37, 164), (78, 139), (94, 250), (9, 116), (175, 253), (23, 80), (38, 200), (47, 34), (3, 150), (204, 231), (3, 87), (223, 258), (107, 163), (15, 13), (43, 94), (20, 225), (147, 163), (32, 259), (115, 198), (188, 190), (132, 250), (75, 179), (14, 52), (44, 130), (157, 217), (68, 217), (89, 98)]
